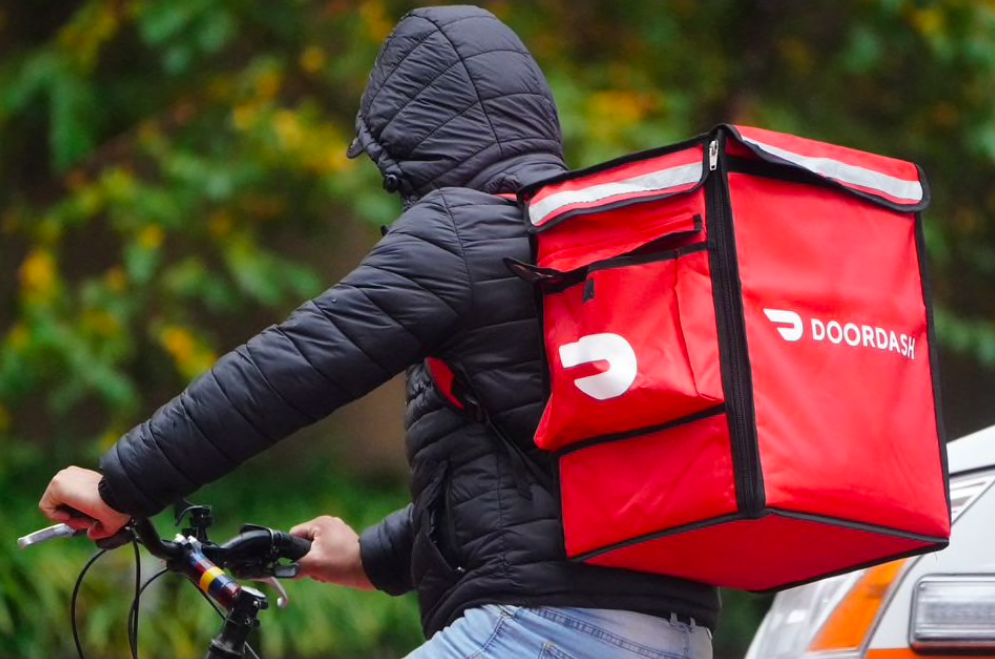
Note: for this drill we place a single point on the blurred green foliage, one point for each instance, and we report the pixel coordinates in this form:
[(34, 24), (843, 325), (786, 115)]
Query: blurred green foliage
[(164, 165), (152, 155), (172, 178)]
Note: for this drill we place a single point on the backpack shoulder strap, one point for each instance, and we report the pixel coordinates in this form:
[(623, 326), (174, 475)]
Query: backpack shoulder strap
[(456, 391)]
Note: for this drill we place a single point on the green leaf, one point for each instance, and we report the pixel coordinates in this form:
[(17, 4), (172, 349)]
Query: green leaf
[(72, 119), (141, 262), (253, 271)]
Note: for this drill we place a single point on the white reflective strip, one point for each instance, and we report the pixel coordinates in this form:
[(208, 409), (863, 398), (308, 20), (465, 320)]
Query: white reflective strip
[(852, 174), (651, 182)]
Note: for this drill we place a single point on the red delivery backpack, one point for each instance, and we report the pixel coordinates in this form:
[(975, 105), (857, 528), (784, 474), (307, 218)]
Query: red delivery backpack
[(742, 378)]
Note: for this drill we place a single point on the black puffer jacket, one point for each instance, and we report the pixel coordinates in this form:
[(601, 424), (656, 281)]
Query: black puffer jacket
[(455, 113)]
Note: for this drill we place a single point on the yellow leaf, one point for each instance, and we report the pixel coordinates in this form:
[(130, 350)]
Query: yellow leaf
[(928, 20), (190, 355), (612, 111), (151, 237), (288, 129), (244, 116), (38, 275), (19, 337), (334, 159), (313, 59), (89, 29), (377, 24), (116, 279), (119, 183), (268, 84), (109, 438), (100, 323)]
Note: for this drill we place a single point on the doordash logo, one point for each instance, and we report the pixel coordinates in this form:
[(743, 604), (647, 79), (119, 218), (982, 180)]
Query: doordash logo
[(791, 326), (613, 349)]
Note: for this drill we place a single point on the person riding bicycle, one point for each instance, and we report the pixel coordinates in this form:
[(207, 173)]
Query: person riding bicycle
[(456, 113)]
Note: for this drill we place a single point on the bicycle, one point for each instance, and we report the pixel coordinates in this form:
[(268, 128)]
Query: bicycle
[(256, 553)]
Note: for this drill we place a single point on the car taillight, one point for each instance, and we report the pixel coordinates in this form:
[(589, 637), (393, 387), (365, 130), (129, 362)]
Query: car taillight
[(954, 613)]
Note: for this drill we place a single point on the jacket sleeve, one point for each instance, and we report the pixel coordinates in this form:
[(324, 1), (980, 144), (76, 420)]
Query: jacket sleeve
[(402, 301), (386, 552)]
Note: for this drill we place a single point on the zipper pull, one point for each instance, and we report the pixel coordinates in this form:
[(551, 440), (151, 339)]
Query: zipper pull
[(713, 155)]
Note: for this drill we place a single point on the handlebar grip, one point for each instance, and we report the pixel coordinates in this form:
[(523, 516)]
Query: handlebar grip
[(291, 546)]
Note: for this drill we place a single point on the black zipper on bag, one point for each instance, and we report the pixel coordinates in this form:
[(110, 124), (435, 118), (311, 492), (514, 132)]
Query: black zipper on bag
[(734, 358)]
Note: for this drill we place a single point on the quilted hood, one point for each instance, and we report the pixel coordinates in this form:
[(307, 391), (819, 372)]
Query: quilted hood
[(456, 99)]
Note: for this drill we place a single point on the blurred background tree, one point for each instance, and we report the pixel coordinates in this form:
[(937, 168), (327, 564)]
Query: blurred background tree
[(173, 178)]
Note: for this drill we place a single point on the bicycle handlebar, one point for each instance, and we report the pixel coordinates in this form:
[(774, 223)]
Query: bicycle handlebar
[(255, 553), (250, 552)]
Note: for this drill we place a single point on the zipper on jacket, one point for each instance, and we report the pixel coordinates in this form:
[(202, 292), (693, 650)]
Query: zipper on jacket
[(453, 551), (736, 373)]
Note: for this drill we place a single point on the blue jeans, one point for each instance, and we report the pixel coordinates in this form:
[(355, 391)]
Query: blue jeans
[(511, 632)]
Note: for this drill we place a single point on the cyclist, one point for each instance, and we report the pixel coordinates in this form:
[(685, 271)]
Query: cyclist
[(456, 112)]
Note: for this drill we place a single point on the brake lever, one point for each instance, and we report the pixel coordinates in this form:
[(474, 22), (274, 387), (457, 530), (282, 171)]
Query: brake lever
[(122, 537), (48, 533), (286, 570), (282, 598)]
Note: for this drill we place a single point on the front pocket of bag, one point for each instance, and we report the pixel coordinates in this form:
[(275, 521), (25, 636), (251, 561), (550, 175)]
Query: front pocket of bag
[(615, 492), (633, 346)]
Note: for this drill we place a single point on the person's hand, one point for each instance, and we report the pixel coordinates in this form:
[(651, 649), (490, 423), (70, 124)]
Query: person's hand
[(334, 556), (72, 497)]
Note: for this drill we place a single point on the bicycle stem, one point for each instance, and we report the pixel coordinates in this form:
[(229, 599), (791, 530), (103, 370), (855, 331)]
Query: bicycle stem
[(239, 623), (186, 556)]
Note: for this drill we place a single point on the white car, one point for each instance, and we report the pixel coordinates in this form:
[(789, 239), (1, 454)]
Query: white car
[(935, 606)]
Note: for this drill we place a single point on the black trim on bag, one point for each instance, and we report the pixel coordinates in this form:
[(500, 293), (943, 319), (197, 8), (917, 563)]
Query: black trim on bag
[(642, 258), (659, 249), (716, 410), (937, 545), (550, 282), (931, 544), (737, 376), (926, 281)]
